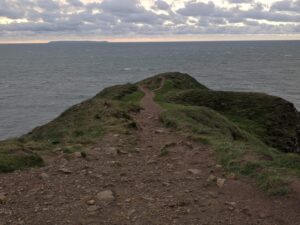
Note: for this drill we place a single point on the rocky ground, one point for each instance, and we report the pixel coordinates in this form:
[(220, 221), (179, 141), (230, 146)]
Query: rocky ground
[(164, 180)]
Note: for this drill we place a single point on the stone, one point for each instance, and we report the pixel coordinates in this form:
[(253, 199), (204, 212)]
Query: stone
[(92, 208), (220, 182), (232, 176), (194, 171), (111, 151), (218, 166), (106, 195), (91, 202), (159, 131), (65, 170), (211, 178), (2, 198), (263, 215), (44, 176), (77, 154), (232, 204), (122, 152)]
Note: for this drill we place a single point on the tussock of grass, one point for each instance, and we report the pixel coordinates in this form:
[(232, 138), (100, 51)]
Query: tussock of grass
[(75, 129)]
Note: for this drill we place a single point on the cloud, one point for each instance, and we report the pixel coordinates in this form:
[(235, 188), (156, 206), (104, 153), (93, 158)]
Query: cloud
[(115, 18), (162, 5)]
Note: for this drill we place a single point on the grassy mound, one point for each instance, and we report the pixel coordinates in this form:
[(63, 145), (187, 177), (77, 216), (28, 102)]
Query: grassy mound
[(75, 129), (273, 120), (249, 131)]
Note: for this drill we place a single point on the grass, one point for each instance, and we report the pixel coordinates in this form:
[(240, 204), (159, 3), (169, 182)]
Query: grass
[(237, 150), (273, 120), (75, 129), (243, 128)]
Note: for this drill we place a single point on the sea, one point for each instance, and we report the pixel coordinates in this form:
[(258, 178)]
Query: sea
[(39, 81)]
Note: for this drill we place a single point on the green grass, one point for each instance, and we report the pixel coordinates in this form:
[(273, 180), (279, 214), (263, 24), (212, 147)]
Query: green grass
[(237, 150), (249, 131), (75, 129), (271, 119)]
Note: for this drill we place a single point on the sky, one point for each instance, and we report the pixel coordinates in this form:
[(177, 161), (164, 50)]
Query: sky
[(148, 20)]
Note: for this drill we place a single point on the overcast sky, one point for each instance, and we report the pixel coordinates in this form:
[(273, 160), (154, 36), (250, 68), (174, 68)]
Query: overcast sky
[(143, 20)]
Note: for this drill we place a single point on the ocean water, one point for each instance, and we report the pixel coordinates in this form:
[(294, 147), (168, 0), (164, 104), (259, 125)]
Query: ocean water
[(38, 82)]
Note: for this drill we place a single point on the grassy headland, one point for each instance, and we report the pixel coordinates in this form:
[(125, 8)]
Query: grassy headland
[(251, 132), (75, 129)]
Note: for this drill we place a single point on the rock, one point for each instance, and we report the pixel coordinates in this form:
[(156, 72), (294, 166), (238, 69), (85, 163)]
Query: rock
[(232, 204), (211, 178), (218, 166), (262, 215), (159, 131), (122, 152), (2, 198), (194, 171), (65, 170), (44, 176), (77, 154), (111, 151), (92, 208), (220, 182), (127, 200), (151, 161), (91, 202), (232, 176), (106, 196)]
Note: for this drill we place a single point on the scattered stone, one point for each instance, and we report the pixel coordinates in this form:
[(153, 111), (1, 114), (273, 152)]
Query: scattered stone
[(212, 195), (194, 171), (232, 204), (91, 202), (218, 166), (131, 212), (44, 176), (122, 152), (151, 161), (92, 208), (211, 178), (148, 199), (77, 154), (128, 200), (2, 198), (159, 131), (220, 182), (111, 151), (65, 170), (262, 215), (105, 196), (232, 176)]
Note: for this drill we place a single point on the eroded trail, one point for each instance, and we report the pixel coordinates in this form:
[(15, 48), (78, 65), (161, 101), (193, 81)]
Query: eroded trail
[(153, 176)]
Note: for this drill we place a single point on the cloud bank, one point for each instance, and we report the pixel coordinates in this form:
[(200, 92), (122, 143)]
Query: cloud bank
[(134, 18)]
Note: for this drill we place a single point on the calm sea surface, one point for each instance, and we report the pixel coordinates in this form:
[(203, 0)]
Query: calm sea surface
[(38, 82)]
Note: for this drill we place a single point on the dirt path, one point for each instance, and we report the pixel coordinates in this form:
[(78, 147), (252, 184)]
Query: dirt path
[(162, 181)]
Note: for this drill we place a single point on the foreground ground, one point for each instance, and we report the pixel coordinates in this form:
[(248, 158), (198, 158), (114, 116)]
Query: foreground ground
[(165, 180)]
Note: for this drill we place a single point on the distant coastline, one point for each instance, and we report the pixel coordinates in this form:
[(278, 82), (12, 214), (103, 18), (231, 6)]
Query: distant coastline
[(77, 42)]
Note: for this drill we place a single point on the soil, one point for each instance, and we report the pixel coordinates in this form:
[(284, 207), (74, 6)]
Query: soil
[(165, 179)]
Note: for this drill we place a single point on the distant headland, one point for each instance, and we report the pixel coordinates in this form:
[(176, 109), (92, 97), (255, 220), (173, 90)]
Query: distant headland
[(78, 42)]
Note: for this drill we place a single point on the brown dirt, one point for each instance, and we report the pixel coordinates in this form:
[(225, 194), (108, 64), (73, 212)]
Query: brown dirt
[(148, 187)]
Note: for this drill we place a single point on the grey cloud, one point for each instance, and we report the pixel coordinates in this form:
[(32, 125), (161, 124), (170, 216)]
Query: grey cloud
[(131, 18), (286, 6), (162, 5)]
